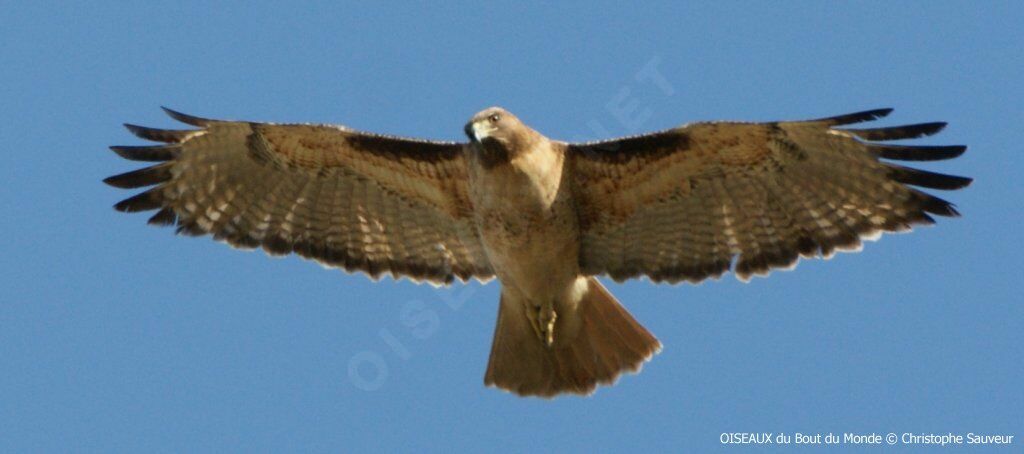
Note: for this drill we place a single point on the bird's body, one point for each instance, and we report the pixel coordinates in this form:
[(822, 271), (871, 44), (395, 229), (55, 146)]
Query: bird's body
[(544, 217), (527, 222), (525, 212)]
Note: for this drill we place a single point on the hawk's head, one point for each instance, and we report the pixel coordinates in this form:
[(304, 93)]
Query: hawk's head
[(499, 134), (492, 123)]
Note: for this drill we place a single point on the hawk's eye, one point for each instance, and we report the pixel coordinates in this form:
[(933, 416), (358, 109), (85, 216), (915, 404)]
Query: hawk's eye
[(494, 118)]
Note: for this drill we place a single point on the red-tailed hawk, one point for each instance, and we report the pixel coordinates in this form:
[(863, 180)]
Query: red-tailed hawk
[(543, 216)]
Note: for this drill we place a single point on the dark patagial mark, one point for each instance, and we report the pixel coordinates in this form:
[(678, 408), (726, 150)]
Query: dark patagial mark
[(419, 150), (651, 146)]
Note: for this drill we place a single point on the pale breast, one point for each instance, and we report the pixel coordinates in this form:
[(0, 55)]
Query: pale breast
[(527, 221)]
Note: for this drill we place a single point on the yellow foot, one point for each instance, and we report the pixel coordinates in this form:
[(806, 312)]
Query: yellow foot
[(542, 319)]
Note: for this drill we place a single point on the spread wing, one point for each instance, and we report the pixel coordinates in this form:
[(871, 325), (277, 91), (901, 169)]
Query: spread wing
[(696, 201), (344, 198)]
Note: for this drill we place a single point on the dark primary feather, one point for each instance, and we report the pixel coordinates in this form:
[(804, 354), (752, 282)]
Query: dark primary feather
[(188, 119), (146, 176), (935, 205), (898, 132), (918, 152), (159, 135), (147, 153), (149, 200), (926, 179), (856, 117), (166, 216)]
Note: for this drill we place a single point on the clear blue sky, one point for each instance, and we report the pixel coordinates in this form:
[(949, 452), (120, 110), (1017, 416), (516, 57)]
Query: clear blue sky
[(116, 336)]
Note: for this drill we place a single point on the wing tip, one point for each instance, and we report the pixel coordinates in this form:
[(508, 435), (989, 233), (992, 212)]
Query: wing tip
[(145, 201), (136, 130), (186, 118), (931, 128), (935, 205), (926, 179), (160, 135), (856, 117), (156, 153), (146, 176), (919, 152)]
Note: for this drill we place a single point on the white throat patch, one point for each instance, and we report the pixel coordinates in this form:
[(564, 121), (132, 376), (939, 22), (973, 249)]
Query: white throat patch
[(482, 130)]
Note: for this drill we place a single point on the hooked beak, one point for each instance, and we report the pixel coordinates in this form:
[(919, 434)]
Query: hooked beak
[(478, 130)]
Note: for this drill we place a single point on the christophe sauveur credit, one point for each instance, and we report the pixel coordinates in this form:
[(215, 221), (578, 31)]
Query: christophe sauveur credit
[(871, 438)]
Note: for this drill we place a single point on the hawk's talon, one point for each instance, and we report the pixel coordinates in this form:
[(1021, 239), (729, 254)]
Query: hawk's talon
[(542, 319), (549, 329)]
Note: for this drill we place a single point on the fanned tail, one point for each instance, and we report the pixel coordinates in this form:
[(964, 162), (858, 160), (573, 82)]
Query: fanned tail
[(607, 342)]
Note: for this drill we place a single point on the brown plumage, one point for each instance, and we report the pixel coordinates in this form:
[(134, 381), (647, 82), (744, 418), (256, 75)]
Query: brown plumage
[(360, 202), (543, 216)]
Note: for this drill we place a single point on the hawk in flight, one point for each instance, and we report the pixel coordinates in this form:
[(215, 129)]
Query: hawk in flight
[(543, 216)]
